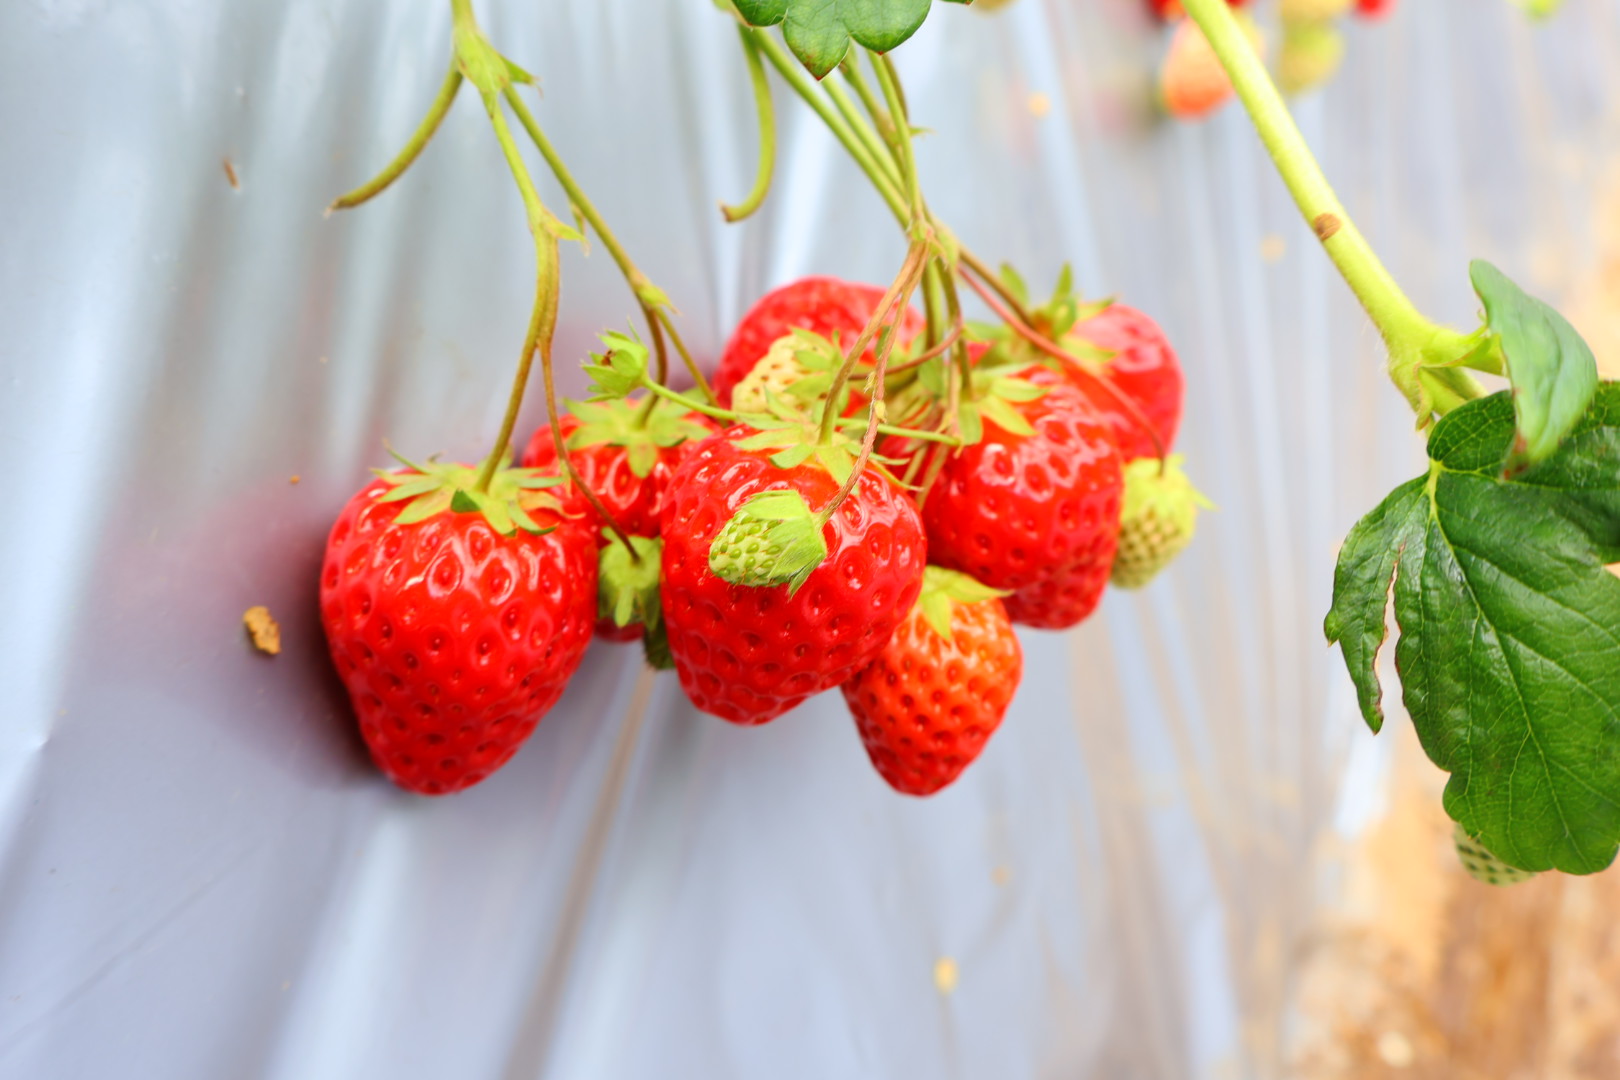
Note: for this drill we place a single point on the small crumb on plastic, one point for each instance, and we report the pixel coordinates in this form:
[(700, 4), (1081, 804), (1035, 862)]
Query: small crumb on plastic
[(264, 630), (294, 478), (1039, 104), (230, 174), (1001, 875), (945, 974), (1396, 1050), (1272, 247)]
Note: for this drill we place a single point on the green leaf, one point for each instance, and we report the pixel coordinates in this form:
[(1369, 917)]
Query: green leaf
[(641, 455), (943, 589), (818, 31), (971, 421), (1553, 372), (1509, 650), (793, 455), (837, 460)]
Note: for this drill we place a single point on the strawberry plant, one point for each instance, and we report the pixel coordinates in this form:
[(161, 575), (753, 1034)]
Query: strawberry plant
[(1509, 625)]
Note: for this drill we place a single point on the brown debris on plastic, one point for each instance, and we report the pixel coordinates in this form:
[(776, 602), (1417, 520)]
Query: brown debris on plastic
[(264, 631)]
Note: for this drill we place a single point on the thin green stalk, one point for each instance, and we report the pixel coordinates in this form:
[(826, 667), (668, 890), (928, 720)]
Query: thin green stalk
[(806, 88), (889, 80), (767, 132), (852, 73), (413, 148), (876, 135), (1412, 338), (651, 299), (898, 294)]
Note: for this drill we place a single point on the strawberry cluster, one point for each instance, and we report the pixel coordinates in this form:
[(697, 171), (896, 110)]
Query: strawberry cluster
[(755, 550)]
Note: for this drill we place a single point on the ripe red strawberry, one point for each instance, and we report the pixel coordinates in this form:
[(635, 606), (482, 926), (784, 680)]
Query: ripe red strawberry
[(825, 305), (1374, 9), (453, 638), (626, 459), (1023, 511), (938, 690), (627, 466), (1144, 368), (750, 653)]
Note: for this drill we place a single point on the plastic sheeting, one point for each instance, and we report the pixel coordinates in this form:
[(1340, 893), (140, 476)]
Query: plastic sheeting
[(200, 875)]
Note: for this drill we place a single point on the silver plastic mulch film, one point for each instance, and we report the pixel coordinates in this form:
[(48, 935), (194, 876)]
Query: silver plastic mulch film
[(203, 877)]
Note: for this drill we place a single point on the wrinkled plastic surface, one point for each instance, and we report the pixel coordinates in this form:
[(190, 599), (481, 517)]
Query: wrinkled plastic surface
[(201, 876)]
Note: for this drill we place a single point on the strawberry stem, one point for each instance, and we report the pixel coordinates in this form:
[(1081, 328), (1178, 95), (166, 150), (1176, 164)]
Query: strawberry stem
[(899, 290), (652, 300), (413, 148), (1412, 339), (870, 164), (767, 133)]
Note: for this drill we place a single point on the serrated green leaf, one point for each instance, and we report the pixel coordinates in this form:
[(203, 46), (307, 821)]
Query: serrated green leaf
[(1553, 372), (819, 31), (1509, 649)]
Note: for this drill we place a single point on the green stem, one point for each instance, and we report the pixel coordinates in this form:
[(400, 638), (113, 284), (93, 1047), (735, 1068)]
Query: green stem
[(863, 90), (712, 411), (1412, 338), (889, 80), (651, 299), (543, 320), (898, 294), (413, 148), (767, 132), (806, 88), (875, 136)]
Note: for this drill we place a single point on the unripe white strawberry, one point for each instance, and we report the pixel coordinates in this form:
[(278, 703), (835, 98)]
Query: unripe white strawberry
[(1482, 865), (774, 372), (1311, 54), (1156, 520)]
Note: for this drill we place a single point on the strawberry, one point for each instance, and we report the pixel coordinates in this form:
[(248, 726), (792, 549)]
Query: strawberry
[(1374, 9), (1143, 367), (1192, 83), (1156, 520), (1035, 500), (932, 698), (750, 652), (1311, 54), (456, 623), (1482, 865), (624, 458), (824, 305)]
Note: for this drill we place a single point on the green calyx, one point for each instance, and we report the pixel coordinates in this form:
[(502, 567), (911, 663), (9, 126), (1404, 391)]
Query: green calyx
[(992, 391), (773, 539), (643, 428), (943, 589), (627, 584), (437, 487), (620, 371)]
